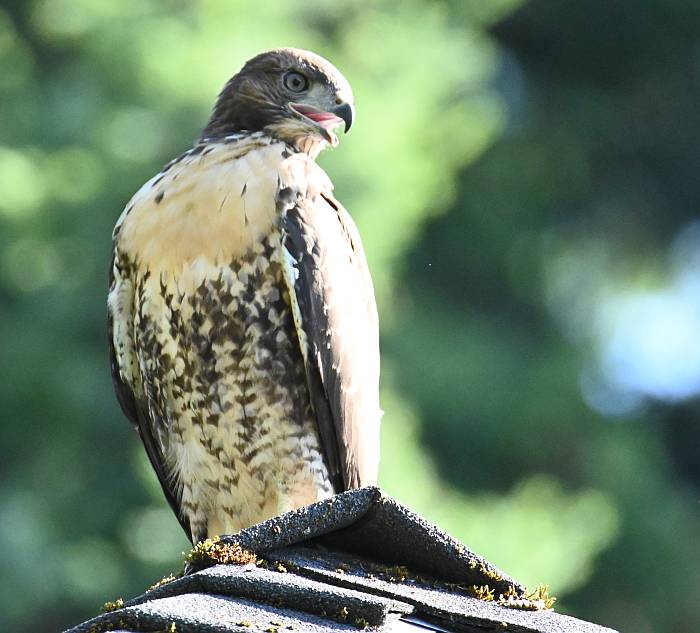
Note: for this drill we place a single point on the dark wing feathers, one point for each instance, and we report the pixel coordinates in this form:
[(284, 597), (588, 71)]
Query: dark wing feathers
[(338, 313), (140, 414)]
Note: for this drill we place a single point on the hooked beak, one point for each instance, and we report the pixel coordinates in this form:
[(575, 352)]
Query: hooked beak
[(346, 112)]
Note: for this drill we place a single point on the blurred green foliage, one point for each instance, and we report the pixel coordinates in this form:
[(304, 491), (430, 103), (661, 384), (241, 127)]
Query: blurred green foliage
[(524, 178)]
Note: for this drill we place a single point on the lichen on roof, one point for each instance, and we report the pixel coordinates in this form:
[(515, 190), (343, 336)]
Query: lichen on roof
[(214, 551)]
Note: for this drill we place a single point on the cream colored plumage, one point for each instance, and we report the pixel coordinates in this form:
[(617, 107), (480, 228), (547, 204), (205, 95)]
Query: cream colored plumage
[(243, 326)]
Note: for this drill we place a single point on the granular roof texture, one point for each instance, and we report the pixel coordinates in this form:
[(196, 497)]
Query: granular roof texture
[(359, 560)]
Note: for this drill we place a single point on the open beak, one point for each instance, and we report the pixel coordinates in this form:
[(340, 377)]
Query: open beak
[(343, 113)]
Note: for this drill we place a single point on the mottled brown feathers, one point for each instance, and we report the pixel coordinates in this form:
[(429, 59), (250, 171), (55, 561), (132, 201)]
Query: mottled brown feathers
[(243, 329)]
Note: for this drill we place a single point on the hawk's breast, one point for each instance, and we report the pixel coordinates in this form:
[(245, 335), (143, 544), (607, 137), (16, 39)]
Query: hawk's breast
[(216, 354)]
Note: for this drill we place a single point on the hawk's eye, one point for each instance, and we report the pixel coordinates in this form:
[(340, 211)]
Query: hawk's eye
[(296, 82)]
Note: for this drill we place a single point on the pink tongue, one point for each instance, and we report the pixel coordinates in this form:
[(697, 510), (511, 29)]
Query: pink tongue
[(320, 117)]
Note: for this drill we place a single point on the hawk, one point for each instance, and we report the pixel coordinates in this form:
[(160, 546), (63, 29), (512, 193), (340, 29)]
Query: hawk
[(242, 321)]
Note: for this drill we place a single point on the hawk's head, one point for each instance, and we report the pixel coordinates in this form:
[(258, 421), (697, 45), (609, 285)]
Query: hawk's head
[(291, 94)]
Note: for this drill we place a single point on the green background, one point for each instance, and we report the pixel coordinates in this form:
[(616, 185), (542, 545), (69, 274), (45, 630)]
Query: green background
[(525, 179)]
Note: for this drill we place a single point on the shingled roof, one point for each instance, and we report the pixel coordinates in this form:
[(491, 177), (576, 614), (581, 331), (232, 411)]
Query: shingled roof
[(358, 560)]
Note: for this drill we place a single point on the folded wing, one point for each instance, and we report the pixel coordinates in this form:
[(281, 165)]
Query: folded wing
[(338, 321)]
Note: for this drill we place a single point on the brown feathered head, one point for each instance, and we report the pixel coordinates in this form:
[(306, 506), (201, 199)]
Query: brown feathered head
[(291, 94)]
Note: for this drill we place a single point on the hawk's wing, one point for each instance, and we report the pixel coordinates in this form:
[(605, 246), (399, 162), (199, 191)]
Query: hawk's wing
[(338, 315), (126, 377)]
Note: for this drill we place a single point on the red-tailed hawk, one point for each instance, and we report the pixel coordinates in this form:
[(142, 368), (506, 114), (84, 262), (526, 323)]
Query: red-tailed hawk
[(242, 320)]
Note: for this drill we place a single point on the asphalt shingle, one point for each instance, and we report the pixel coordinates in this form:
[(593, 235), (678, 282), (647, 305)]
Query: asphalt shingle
[(357, 560)]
